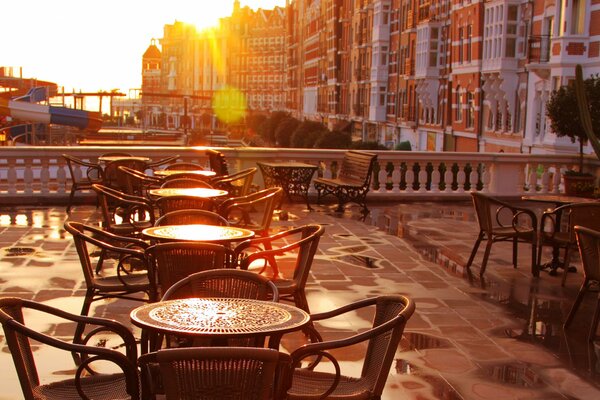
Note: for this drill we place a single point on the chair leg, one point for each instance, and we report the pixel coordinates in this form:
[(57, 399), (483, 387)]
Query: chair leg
[(576, 304), (566, 265), (475, 248), (71, 198), (78, 335), (595, 320), (515, 252), (535, 271), (486, 255)]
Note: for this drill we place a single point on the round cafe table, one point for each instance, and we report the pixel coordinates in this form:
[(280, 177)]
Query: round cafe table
[(119, 158), (192, 192), (197, 233), (219, 319), (169, 172)]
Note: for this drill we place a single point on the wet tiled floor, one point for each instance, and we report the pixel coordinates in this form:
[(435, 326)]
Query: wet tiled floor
[(495, 338)]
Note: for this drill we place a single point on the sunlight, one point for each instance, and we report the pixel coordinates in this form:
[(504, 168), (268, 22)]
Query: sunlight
[(229, 104)]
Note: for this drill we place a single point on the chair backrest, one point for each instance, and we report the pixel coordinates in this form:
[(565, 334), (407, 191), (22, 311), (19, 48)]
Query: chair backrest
[(176, 260), (588, 241), (302, 244), (583, 214), (92, 172), (89, 238), (482, 204), (235, 373), (185, 181), (182, 166), (168, 204), (228, 283), (115, 178), (130, 209), (137, 182), (253, 211), (18, 335), (237, 184), (162, 161), (217, 162), (186, 217)]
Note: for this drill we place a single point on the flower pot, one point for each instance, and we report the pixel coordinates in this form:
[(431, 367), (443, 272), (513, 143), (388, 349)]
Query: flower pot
[(579, 185)]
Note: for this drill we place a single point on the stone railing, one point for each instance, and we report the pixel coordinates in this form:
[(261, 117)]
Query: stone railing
[(30, 175)]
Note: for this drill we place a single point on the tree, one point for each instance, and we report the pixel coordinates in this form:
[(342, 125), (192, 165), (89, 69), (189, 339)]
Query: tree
[(267, 129), (305, 135), (334, 140), (563, 111), (284, 131)]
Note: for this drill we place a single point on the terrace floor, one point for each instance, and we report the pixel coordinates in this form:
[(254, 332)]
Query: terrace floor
[(497, 338)]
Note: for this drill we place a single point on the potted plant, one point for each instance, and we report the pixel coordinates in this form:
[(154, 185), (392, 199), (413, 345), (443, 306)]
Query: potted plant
[(563, 109)]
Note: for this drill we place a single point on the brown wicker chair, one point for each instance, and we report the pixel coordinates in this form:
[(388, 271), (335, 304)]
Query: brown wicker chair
[(124, 214), (290, 263), (176, 260), (86, 382), (253, 211), (232, 373), (237, 184), (130, 278), (167, 204), (114, 178), (186, 217), (81, 180), (390, 316), (557, 229), (185, 181), (217, 162), (502, 222), (138, 183), (589, 250), (162, 161)]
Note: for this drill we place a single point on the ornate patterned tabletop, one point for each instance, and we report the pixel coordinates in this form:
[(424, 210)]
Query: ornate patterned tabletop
[(198, 233), (220, 318), (293, 177), (169, 172), (192, 192)]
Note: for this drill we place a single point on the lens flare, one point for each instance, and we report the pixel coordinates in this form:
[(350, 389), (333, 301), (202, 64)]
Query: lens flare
[(229, 104)]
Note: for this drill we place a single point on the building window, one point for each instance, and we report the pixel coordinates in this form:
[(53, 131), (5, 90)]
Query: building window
[(458, 100), (578, 17), (469, 41), (460, 46), (470, 110)]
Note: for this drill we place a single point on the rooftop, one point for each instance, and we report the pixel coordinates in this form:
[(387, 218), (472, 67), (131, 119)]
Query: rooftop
[(495, 338)]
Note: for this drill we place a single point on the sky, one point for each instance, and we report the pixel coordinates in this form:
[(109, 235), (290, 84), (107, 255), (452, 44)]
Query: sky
[(96, 45)]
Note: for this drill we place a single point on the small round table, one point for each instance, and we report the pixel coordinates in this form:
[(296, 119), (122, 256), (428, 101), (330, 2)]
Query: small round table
[(169, 172), (119, 158), (220, 319), (198, 233), (192, 192)]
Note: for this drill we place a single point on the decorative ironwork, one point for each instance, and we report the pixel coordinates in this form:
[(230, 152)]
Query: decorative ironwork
[(293, 177)]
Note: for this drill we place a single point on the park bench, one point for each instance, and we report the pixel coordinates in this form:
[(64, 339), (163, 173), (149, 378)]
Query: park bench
[(352, 182)]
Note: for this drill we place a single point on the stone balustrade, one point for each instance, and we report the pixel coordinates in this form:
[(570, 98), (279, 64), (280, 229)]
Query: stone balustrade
[(30, 175)]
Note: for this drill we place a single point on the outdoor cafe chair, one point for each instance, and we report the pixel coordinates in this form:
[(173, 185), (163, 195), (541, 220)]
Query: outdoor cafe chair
[(288, 254), (183, 182), (81, 180), (102, 373), (114, 178), (217, 162), (214, 373), (390, 316), (173, 261), (161, 162), (186, 217), (167, 204), (130, 278), (190, 176), (254, 211), (138, 183), (237, 184), (122, 213), (557, 229), (500, 221), (589, 250)]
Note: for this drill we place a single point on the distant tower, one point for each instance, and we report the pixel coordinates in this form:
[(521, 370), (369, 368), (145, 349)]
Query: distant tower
[(151, 67), (236, 6)]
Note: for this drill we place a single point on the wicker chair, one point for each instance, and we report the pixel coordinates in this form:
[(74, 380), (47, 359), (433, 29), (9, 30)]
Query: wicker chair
[(217, 162), (290, 263), (86, 382), (161, 162), (208, 373), (176, 260), (81, 181), (185, 217), (502, 222), (167, 204), (124, 214), (589, 249), (186, 180), (130, 278), (114, 178), (557, 229), (390, 316), (138, 183), (253, 211), (237, 184)]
